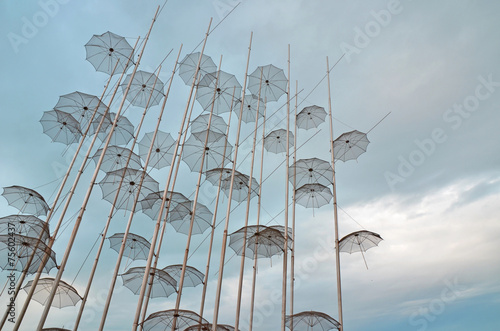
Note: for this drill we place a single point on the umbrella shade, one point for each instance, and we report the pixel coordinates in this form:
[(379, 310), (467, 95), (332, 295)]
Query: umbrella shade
[(55, 329), (28, 201), (22, 248), (105, 50), (240, 186), (218, 92), (61, 127), (136, 247), (25, 225), (311, 320), (214, 153), (127, 191), (218, 174), (145, 90), (192, 277), (199, 128), (117, 157), (163, 320), (313, 195), (261, 241), (151, 204), (250, 105), (66, 295), (163, 284), (275, 141), (359, 241), (208, 327), (187, 67), (350, 145), (162, 152), (122, 134), (310, 117), (273, 80), (311, 171), (85, 108), (180, 217)]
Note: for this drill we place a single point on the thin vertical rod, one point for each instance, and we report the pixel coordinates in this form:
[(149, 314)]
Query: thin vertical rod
[(165, 192), (292, 257), (228, 211), (337, 253)]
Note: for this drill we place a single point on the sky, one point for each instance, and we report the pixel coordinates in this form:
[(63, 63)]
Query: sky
[(429, 182)]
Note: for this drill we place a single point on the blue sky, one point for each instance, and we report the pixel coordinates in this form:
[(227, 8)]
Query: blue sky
[(429, 183)]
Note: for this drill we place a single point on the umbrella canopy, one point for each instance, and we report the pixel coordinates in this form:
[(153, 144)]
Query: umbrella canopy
[(66, 295), (240, 186), (55, 329), (273, 79), (145, 90), (275, 141), (261, 241), (163, 284), (128, 189), (313, 195), (105, 50), (350, 145), (250, 105), (163, 149), (25, 225), (85, 108), (180, 217), (208, 327), (311, 320), (61, 127), (187, 67), (311, 171), (310, 117), (23, 248), (123, 133), (192, 277), (218, 92), (136, 247), (117, 157), (214, 153), (199, 128), (28, 201), (151, 204), (163, 320), (359, 241)]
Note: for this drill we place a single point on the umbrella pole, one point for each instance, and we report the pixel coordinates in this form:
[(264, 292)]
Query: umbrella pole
[(165, 192), (285, 248), (56, 199), (292, 257), (337, 253), (254, 277), (228, 211), (249, 197), (65, 208), (361, 250)]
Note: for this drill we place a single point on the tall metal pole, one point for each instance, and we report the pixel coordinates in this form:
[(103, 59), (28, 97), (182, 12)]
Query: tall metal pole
[(228, 211), (292, 257), (337, 253)]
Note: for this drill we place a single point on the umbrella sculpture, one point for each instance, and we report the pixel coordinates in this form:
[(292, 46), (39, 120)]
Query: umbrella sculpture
[(275, 141), (313, 195), (105, 50), (145, 90), (85, 108), (28, 201), (123, 133), (163, 284), (214, 153), (261, 241), (224, 89), (311, 320), (25, 225), (163, 149), (310, 117), (180, 217), (192, 277), (23, 247), (66, 295), (128, 190), (240, 185), (151, 204), (350, 145), (359, 241), (250, 103), (55, 329), (274, 82), (163, 320), (199, 128), (311, 171), (136, 247), (117, 157), (208, 327), (187, 67), (61, 127)]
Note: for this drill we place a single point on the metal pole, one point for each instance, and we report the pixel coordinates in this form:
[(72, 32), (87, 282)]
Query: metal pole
[(292, 257)]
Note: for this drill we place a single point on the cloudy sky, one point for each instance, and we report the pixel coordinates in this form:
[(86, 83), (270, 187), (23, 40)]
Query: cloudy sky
[(429, 182)]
